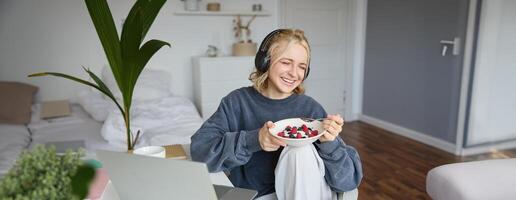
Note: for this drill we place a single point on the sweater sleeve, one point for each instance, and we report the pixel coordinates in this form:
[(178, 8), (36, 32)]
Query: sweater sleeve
[(220, 148), (343, 168)]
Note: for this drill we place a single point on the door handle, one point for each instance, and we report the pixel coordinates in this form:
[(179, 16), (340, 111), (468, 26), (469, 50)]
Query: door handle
[(455, 43)]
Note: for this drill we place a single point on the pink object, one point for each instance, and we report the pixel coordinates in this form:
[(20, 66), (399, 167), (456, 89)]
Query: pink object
[(99, 184)]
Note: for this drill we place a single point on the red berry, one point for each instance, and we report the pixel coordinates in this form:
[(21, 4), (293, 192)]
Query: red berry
[(294, 130), (281, 134), (315, 132), (305, 129), (298, 135)]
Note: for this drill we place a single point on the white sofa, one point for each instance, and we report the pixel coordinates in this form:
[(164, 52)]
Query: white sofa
[(482, 180)]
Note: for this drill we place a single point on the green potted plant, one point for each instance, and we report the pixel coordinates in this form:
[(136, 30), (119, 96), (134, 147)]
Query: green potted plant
[(126, 55), (43, 174)]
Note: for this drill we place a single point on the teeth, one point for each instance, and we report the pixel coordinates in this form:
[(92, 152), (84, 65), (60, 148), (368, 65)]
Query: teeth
[(288, 81)]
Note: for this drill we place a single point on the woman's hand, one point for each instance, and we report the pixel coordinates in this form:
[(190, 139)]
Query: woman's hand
[(333, 126), (267, 141)]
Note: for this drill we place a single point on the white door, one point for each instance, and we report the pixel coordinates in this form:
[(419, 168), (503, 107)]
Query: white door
[(493, 100), (323, 23)]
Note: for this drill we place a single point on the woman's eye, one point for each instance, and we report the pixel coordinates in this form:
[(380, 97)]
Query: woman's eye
[(285, 63)]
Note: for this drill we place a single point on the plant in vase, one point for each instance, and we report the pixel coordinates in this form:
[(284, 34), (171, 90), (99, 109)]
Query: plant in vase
[(244, 45), (126, 55)]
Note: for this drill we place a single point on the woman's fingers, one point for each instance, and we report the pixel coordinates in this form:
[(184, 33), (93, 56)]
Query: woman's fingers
[(267, 141), (273, 144), (270, 124), (277, 142), (337, 119), (333, 126), (330, 136)]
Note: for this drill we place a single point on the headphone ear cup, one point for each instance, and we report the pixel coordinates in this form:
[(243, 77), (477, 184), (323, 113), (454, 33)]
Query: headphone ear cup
[(265, 63), (260, 61), (307, 72)]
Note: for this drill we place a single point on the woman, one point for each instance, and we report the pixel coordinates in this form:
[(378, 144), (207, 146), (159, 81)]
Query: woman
[(236, 138)]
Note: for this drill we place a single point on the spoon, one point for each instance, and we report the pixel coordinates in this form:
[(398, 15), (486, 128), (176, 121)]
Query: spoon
[(306, 119)]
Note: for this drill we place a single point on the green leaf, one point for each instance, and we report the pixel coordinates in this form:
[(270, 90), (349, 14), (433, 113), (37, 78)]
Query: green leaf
[(99, 82), (150, 11), (136, 25), (67, 77), (101, 87), (108, 35), (148, 50), (130, 43), (82, 179), (104, 89)]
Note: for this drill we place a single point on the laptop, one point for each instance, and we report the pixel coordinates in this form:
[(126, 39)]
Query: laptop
[(143, 177)]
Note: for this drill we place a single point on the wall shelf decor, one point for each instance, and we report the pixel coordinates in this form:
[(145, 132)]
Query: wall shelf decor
[(222, 13)]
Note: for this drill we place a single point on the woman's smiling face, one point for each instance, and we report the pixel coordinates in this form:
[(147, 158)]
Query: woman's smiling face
[(287, 71)]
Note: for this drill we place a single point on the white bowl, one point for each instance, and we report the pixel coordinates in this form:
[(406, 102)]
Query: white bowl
[(298, 122), (155, 151)]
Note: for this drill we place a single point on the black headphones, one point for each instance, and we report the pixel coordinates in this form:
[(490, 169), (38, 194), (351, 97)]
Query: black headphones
[(263, 59)]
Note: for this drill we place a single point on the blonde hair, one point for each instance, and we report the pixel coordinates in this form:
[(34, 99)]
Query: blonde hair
[(276, 48)]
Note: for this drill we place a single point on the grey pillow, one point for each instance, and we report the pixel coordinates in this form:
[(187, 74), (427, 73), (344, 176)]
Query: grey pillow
[(15, 102)]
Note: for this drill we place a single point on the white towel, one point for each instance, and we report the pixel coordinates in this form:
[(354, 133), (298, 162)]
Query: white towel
[(300, 175)]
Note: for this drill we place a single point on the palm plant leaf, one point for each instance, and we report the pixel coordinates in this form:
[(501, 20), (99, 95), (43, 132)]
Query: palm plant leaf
[(100, 85), (67, 77), (130, 43), (106, 29), (148, 50), (104, 89), (150, 11), (136, 26)]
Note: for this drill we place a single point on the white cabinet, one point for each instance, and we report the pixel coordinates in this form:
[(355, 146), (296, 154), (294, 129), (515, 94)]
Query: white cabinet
[(216, 77)]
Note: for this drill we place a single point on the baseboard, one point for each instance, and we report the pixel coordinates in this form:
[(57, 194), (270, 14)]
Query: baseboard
[(487, 148), (420, 137)]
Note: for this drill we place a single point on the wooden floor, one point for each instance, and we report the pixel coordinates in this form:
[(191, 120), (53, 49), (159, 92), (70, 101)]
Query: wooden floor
[(395, 167)]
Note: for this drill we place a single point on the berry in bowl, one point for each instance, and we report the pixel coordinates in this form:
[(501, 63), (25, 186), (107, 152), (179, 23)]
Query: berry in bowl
[(297, 132)]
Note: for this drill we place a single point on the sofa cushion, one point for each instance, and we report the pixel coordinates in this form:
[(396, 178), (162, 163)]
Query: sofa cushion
[(16, 101), (488, 179)]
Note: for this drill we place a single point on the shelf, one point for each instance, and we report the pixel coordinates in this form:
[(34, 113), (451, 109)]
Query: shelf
[(222, 13)]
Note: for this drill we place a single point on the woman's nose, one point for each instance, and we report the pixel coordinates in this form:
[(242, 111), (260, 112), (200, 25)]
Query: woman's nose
[(292, 71)]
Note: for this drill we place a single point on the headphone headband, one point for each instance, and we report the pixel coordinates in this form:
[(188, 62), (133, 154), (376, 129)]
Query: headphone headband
[(265, 43)]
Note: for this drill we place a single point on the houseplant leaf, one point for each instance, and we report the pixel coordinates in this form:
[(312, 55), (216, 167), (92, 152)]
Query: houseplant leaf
[(130, 43), (108, 35), (104, 89), (148, 50), (150, 11)]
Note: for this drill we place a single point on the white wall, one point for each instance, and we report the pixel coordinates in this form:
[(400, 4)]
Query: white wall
[(493, 105), (58, 35)]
